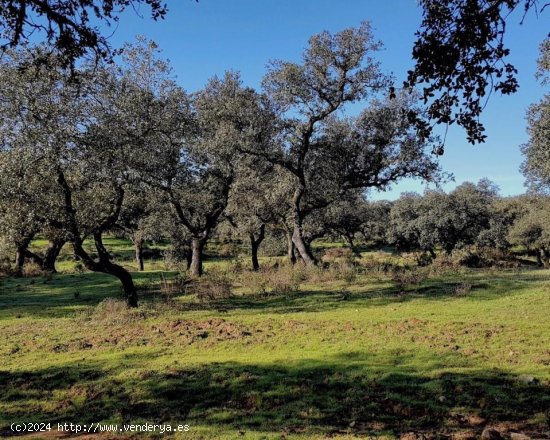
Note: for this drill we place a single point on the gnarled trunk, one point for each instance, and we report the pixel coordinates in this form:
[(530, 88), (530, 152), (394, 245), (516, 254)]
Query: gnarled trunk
[(349, 238), (298, 233), (543, 258), (51, 254), (105, 265), (21, 251), (189, 258), (301, 246)]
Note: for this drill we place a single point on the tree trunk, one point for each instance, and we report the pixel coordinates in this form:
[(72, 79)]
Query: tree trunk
[(540, 263), (36, 259), (255, 245), (106, 266), (19, 259), (290, 249), (51, 254), (301, 245), (543, 258), (21, 249), (349, 239), (138, 245), (197, 246), (127, 282), (189, 258), (254, 249)]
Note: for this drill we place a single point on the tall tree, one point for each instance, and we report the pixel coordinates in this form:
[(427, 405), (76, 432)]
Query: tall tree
[(83, 140), (532, 229), (257, 201), (325, 155), (198, 173)]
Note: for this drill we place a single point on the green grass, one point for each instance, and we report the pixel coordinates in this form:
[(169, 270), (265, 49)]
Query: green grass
[(307, 364)]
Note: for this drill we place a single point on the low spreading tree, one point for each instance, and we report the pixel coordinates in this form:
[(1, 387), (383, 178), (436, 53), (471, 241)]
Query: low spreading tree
[(436, 219), (82, 140), (532, 229)]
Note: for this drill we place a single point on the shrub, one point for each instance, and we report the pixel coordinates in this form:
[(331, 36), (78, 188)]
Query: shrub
[(274, 245), (275, 280), (282, 284), (115, 311), (79, 267), (482, 257), (229, 249), (380, 266), (424, 259), (32, 269), (338, 255), (462, 289), (406, 277), (214, 286), (6, 269)]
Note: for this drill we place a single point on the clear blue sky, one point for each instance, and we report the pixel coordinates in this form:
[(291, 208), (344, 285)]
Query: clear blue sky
[(206, 38)]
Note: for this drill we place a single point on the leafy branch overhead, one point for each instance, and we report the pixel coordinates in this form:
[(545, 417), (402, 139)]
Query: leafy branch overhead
[(461, 58), (68, 26)]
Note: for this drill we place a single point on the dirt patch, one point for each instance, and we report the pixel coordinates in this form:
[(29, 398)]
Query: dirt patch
[(216, 328)]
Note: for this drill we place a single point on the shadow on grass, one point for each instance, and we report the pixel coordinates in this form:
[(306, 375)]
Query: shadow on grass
[(348, 393), (61, 295), (64, 294)]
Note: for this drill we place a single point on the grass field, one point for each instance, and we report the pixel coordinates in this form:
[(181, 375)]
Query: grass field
[(335, 358)]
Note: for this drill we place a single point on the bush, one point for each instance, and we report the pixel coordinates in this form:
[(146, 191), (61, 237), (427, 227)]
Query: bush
[(214, 286), (6, 269), (482, 257), (31, 269), (275, 279), (115, 311), (229, 249), (274, 245), (406, 277), (380, 266), (338, 255), (424, 259), (462, 289)]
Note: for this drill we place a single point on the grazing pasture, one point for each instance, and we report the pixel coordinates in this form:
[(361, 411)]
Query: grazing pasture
[(348, 351)]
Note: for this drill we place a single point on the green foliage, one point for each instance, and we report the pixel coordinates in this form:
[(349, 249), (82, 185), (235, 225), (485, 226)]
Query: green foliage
[(450, 221), (460, 58), (532, 230), (536, 166)]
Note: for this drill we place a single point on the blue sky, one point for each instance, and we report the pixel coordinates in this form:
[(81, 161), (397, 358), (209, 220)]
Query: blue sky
[(206, 38)]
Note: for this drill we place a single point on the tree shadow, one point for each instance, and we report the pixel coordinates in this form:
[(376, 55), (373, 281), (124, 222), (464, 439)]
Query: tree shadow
[(350, 393), (480, 287), (61, 295), (65, 294)]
